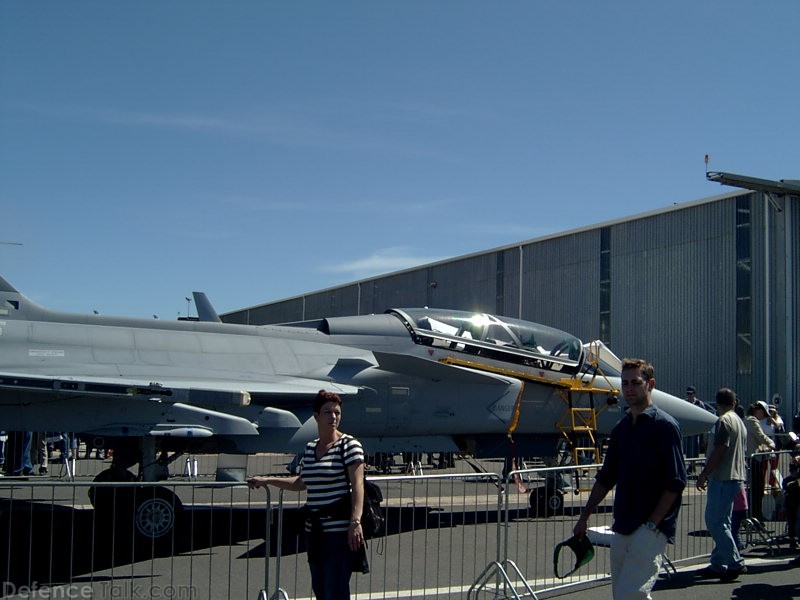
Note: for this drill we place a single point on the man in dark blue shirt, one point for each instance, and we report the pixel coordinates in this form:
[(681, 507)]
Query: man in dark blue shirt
[(645, 463)]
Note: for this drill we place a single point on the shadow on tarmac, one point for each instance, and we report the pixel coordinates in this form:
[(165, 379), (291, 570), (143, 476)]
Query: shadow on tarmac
[(52, 543), (684, 580), (44, 542)]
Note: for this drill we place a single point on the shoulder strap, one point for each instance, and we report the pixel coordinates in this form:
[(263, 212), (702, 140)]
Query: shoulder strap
[(342, 441)]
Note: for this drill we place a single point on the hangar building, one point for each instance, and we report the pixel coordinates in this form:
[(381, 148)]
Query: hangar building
[(706, 290)]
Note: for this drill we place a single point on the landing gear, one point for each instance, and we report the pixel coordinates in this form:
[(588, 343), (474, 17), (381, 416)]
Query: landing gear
[(155, 512), (135, 516), (548, 500)]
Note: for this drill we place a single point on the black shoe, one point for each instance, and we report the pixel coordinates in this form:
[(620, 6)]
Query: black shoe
[(708, 573), (732, 574), (42, 470), (795, 562)]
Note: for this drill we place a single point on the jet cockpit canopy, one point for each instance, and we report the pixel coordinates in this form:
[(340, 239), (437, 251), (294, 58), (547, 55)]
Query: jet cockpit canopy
[(500, 338)]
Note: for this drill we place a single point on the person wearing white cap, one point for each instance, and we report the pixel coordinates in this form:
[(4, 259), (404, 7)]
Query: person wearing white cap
[(757, 442), (764, 419)]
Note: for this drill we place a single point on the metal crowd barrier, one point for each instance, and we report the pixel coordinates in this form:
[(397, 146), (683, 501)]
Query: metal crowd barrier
[(557, 497), (447, 535), (131, 540), (766, 522)]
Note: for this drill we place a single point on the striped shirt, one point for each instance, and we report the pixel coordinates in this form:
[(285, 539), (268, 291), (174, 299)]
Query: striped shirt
[(326, 479)]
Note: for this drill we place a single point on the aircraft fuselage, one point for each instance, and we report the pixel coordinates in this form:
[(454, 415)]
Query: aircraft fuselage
[(411, 380)]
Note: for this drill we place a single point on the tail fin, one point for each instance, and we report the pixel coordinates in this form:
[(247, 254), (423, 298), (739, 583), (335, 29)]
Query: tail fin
[(12, 303), (205, 312), (7, 287)]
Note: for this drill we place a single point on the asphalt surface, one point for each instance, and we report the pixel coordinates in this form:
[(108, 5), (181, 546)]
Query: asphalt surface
[(767, 577)]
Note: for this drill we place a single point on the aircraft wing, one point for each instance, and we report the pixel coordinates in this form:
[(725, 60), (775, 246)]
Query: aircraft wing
[(196, 391), (170, 407)]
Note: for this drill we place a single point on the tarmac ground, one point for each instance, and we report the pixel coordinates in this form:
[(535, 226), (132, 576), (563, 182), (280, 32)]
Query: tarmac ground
[(767, 578)]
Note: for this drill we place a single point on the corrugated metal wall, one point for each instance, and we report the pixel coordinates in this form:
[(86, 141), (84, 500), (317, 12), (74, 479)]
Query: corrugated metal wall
[(468, 284), (673, 291), (561, 282), (673, 295), (782, 255), (792, 319), (395, 290)]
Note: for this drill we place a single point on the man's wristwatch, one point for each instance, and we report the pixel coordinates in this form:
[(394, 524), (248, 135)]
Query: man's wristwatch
[(651, 526), (356, 521)]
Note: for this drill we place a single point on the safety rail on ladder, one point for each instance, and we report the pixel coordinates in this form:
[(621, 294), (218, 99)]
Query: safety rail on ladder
[(578, 424), (582, 427), (569, 426)]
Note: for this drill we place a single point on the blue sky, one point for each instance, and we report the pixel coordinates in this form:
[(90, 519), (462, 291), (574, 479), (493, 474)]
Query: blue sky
[(260, 150)]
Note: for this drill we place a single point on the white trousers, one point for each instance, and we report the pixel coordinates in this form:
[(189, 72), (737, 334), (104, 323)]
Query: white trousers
[(635, 563)]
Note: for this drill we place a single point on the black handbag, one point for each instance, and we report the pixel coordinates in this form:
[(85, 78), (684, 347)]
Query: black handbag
[(372, 518)]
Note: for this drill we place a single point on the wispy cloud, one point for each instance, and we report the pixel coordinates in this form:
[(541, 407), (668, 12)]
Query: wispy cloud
[(415, 207), (359, 206), (256, 204), (428, 109), (381, 261), (277, 127)]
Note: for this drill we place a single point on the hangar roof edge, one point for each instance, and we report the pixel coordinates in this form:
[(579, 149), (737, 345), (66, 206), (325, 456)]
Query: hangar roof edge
[(643, 215)]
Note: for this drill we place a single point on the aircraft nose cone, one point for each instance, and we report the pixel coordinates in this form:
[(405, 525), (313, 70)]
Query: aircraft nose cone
[(692, 419)]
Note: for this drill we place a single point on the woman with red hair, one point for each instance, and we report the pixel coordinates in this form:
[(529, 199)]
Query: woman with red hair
[(332, 473)]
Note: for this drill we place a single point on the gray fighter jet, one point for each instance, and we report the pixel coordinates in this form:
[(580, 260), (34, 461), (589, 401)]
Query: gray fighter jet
[(412, 380)]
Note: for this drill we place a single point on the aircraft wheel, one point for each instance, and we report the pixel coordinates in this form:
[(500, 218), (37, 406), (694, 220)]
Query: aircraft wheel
[(546, 502), (156, 510), (140, 517), (103, 497)]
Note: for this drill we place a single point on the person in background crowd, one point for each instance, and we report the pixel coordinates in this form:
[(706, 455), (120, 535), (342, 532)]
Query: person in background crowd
[(757, 441), (796, 422), (791, 492), (740, 504), (22, 453), (777, 422), (39, 451), (691, 396), (765, 419), (738, 514), (3, 439), (775, 402), (724, 475), (692, 443)]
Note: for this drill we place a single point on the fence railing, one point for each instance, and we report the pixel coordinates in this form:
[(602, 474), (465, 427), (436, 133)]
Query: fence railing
[(447, 535)]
